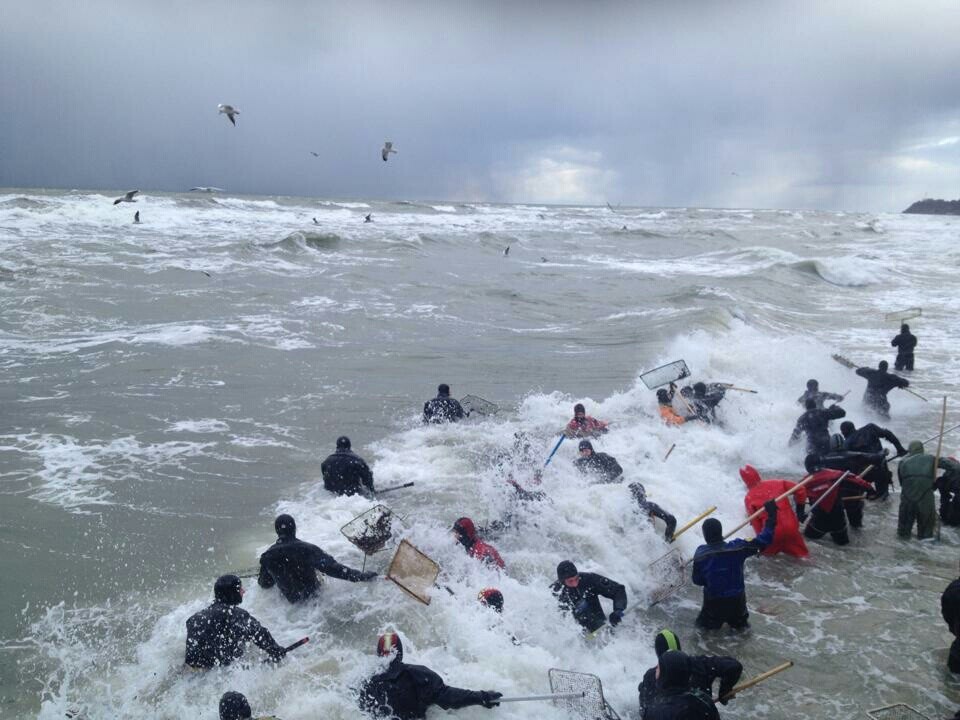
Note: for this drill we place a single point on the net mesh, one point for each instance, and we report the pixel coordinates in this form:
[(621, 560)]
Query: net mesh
[(371, 530), (907, 314), (896, 712), (413, 572), (669, 575), (591, 706), (664, 374), (472, 403)]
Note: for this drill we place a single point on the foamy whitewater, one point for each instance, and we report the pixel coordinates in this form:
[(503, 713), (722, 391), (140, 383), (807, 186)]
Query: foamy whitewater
[(169, 387)]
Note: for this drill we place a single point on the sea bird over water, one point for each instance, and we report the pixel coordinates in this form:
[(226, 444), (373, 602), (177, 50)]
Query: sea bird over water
[(230, 111), (387, 149), (128, 197)]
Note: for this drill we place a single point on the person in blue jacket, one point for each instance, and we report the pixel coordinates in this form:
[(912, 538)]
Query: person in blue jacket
[(718, 568)]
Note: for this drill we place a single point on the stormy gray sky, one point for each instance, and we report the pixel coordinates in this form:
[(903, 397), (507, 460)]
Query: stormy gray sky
[(843, 105)]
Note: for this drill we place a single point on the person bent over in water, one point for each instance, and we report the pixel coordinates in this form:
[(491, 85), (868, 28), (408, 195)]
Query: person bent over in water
[(584, 426), (579, 594), (466, 534), (676, 699), (652, 510), (667, 413), (604, 467), (814, 393), (879, 383), (345, 472), (405, 692), (787, 538), (443, 408), (718, 568), (834, 507)]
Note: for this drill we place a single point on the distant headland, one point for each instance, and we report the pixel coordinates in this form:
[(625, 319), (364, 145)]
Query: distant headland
[(929, 206)]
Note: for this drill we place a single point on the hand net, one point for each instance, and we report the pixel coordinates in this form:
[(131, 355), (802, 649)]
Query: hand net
[(371, 530), (474, 404), (664, 374), (669, 574), (896, 712), (591, 706), (413, 572)]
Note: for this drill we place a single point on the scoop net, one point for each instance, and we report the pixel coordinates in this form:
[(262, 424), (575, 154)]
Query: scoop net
[(591, 706), (413, 572), (669, 574), (896, 712), (371, 530), (475, 404), (902, 315), (664, 374)]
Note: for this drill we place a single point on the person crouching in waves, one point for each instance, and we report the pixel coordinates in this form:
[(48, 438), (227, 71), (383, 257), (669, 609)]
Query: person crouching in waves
[(443, 408), (718, 569), (579, 594), (602, 466), (584, 426)]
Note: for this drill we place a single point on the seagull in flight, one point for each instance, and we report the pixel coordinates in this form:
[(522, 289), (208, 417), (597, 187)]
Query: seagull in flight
[(314, 154), (368, 217), (128, 197), (230, 111), (201, 188), (387, 149)]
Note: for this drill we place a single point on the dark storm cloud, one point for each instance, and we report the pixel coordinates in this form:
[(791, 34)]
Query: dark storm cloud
[(809, 104)]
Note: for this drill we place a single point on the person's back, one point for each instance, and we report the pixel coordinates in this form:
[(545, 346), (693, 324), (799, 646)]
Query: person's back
[(443, 408), (786, 537), (604, 467), (676, 699), (917, 481), (905, 342), (345, 472), (816, 425), (879, 383), (814, 393)]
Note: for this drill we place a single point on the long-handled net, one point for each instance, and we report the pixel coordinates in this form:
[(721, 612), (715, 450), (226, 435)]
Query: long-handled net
[(671, 372), (370, 530), (476, 404), (589, 703), (413, 572), (668, 571), (896, 712)]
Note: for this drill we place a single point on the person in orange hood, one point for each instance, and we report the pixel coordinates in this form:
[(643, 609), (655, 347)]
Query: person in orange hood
[(787, 538), (466, 534)]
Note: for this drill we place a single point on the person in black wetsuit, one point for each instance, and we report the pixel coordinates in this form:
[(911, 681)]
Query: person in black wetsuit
[(345, 472), (443, 408), (705, 403), (949, 486), (652, 510), (879, 383), (234, 706), (704, 671), (604, 466), (816, 424), (814, 393), (218, 635), (404, 692), (676, 699), (950, 609), (292, 564), (866, 439), (579, 594), (905, 342)]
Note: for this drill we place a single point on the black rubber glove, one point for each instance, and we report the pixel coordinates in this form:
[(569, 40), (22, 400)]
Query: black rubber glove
[(489, 698), (615, 617), (802, 512), (901, 451), (724, 691), (668, 535), (367, 576)]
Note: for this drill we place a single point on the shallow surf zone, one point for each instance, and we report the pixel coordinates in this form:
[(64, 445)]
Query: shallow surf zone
[(860, 621)]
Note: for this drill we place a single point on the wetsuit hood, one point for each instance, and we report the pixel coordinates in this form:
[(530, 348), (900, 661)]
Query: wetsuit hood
[(466, 531), (812, 463), (665, 641), (883, 365), (285, 526), (443, 390), (234, 706), (663, 397), (227, 590), (712, 530), (566, 570), (749, 474), (585, 445), (491, 597), (847, 428), (674, 671), (813, 385), (915, 448), (904, 328), (343, 443), (699, 390), (579, 408)]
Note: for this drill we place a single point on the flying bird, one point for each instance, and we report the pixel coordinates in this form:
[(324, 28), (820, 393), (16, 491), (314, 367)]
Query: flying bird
[(128, 197), (314, 154), (387, 149), (230, 111), (201, 188), (368, 217)]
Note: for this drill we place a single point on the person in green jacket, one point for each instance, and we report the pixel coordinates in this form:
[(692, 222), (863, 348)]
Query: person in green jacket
[(916, 491)]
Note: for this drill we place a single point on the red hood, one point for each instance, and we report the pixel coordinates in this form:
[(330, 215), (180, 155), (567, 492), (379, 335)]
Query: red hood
[(750, 476), (465, 525)]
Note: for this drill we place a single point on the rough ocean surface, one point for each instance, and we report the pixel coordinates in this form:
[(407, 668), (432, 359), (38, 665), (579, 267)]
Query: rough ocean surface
[(169, 387)]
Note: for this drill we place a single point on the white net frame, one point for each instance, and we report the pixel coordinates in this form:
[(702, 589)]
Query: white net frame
[(669, 571), (370, 531), (591, 706), (899, 711), (671, 372), (413, 571)]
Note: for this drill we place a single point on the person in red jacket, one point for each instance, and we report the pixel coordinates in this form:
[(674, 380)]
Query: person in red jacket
[(584, 426), (832, 512), (466, 534), (787, 538)]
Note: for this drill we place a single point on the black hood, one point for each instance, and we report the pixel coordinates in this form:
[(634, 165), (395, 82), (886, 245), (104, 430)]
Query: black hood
[(674, 671), (227, 590)]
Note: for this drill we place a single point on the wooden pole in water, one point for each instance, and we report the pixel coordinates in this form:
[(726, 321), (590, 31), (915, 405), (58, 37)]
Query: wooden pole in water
[(758, 679), (693, 522), (936, 464), (669, 451)]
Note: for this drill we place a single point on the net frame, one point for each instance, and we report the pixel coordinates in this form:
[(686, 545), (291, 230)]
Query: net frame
[(591, 706), (475, 403), (663, 567), (410, 564), (905, 314), (898, 711), (368, 535), (671, 372)]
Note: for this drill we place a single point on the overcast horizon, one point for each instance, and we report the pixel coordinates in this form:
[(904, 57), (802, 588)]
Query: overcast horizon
[(696, 104)]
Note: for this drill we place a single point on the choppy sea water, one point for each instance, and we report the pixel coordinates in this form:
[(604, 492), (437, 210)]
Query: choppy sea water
[(169, 387)]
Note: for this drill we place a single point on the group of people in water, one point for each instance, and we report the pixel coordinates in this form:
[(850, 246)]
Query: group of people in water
[(844, 469)]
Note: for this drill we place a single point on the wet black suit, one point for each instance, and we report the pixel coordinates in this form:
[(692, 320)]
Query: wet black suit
[(604, 466), (441, 409), (704, 671), (676, 699), (905, 342), (653, 510), (816, 424), (583, 601), (819, 397), (950, 609), (855, 462), (218, 635), (879, 383), (949, 486), (866, 439), (406, 691), (292, 565), (346, 473)]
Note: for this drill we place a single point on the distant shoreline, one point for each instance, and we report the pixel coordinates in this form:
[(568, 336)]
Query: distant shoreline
[(928, 206)]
